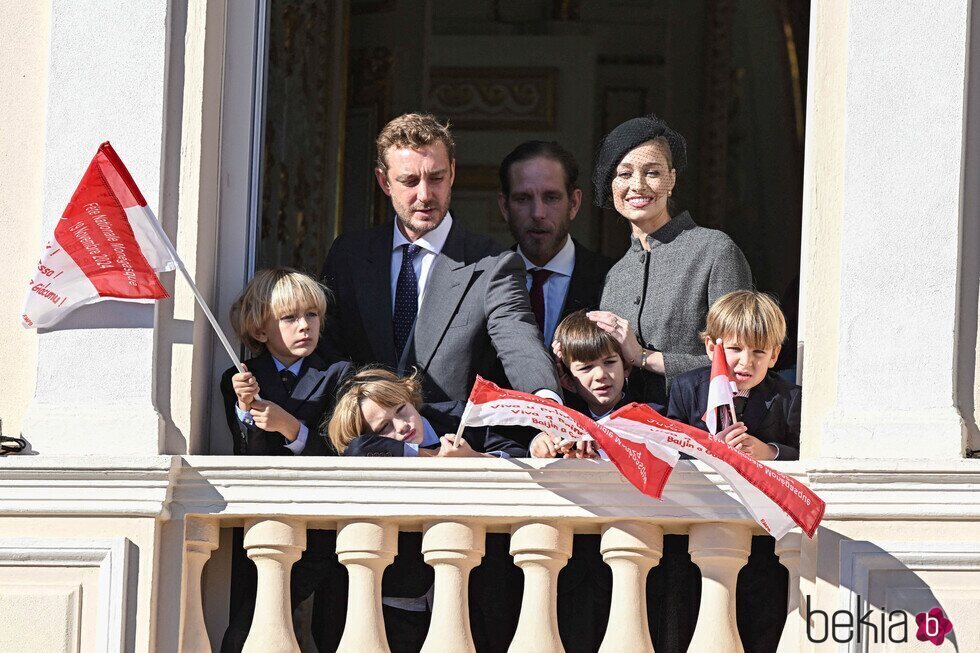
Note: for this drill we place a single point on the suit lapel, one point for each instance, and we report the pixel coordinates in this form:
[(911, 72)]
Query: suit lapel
[(374, 296), (757, 407), (311, 378), (448, 280), (583, 288)]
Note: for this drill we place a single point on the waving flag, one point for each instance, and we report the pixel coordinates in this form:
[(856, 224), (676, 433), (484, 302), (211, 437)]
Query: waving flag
[(490, 405), (106, 244), (775, 500), (719, 392)]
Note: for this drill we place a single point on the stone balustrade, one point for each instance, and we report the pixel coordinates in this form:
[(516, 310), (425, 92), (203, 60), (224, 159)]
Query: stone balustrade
[(541, 504)]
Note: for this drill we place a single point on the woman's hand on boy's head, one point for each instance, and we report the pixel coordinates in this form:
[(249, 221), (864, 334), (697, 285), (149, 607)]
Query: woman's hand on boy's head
[(246, 388), (621, 330)]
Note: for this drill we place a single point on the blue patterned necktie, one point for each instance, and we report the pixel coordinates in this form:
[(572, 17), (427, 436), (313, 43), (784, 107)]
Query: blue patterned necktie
[(406, 298)]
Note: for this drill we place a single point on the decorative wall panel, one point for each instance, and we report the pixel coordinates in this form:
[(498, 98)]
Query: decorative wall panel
[(495, 98)]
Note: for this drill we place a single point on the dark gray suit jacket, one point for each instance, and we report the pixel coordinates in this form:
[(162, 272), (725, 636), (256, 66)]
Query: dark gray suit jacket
[(475, 309)]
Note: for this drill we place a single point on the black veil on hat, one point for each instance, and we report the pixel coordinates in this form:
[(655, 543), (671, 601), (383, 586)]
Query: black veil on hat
[(624, 138)]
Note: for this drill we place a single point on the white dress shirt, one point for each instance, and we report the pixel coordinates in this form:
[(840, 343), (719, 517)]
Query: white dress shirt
[(431, 244), (297, 445), (555, 286)]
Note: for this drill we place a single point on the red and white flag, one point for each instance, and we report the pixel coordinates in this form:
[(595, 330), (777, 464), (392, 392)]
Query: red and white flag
[(490, 405), (719, 392), (107, 244), (775, 500)]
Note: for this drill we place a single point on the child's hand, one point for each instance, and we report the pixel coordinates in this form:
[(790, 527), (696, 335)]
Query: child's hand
[(737, 436), (579, 449), (270, 416), (246, 388), (446, 448), (543, 446)]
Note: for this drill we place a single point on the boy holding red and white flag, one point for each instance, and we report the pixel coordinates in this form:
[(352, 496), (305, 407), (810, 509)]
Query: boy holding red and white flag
[(767, 407)]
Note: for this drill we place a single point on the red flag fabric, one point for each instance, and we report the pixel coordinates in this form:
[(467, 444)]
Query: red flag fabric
[(106, 244), (719, 391), (490, 405), (775, 500)]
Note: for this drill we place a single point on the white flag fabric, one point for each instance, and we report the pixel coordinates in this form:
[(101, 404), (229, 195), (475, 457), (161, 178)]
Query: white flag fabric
[(777, 502), (107, 244)]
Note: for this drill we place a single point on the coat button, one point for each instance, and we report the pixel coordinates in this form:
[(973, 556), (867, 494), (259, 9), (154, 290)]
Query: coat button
[(637, 300)]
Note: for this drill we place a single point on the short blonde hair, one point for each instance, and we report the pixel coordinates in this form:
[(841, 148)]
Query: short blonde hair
[(383, 387), (413, 130), (753, 317), (270, 294)]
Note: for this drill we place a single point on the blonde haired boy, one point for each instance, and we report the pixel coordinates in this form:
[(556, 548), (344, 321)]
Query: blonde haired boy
[(272, 407), (752, 329)]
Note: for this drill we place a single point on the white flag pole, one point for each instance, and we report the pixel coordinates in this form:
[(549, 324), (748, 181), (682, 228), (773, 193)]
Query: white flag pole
[(462, 423), (158, 228)]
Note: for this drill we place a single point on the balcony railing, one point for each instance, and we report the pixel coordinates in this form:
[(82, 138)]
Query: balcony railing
[(541, 504)]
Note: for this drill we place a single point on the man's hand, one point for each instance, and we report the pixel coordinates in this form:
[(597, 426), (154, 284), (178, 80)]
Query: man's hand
[(738, 437), (246, 388), (270, 416)]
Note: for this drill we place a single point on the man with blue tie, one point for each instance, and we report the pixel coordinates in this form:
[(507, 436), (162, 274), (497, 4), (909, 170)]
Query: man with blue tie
[(423, 292), (539, 199)]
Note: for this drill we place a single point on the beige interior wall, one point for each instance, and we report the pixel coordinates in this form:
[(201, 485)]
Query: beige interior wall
[(822, 202), (24, 30)]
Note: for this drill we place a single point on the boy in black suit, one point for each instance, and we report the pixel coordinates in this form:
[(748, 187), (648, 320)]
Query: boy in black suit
[(752, 329), (275, 408)]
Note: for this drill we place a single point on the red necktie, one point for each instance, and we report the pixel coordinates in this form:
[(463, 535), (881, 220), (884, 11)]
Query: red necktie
[(538, 277)]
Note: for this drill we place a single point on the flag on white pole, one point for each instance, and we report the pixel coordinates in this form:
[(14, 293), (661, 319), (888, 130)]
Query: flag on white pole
[(775, 500), (104, 246), (107, 244), (642, 466), (719, 392)]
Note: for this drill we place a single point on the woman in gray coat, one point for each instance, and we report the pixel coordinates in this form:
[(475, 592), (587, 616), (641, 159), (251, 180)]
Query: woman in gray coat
[(657, 296)]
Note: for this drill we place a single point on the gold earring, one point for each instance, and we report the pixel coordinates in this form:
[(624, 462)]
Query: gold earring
[(669, 193)]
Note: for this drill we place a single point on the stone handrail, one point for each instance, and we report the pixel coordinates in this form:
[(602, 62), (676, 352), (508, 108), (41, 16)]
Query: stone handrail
[(455, 503)]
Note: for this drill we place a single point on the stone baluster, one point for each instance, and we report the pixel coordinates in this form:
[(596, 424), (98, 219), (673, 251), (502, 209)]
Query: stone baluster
[(788, 550), (631, 549), (273, 545), (453, 549), (540, 549), (365, 548), (719, 550), (200, 539)]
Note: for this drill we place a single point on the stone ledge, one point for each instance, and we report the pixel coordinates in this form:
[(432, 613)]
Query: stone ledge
[(494, 491)]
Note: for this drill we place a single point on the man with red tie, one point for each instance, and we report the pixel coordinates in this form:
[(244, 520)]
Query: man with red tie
[(539, 199)]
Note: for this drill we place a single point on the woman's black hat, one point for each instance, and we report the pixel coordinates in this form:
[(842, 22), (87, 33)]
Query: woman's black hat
[(624, 138)]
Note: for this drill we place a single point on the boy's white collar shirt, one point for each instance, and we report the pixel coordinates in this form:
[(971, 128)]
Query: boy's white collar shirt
[(297, 445), (556, 286), (431, 244)]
